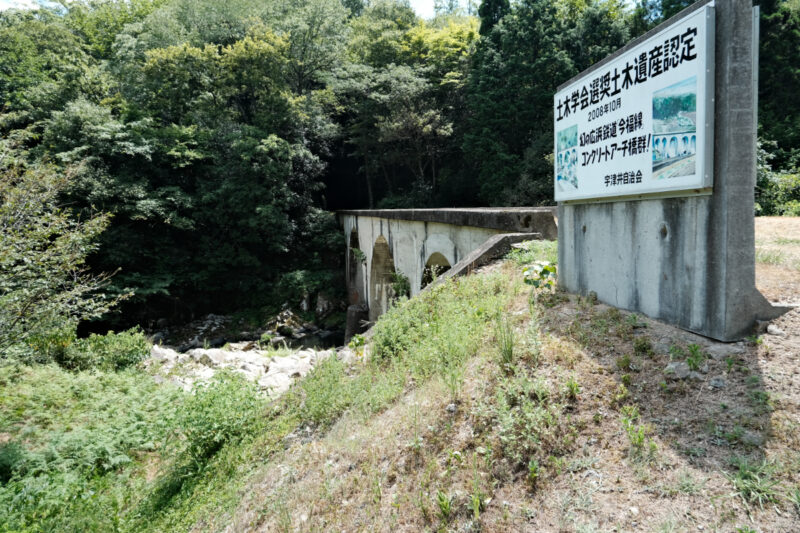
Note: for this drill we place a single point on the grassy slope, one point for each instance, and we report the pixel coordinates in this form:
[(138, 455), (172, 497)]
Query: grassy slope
[(582, 432), (566, 424)]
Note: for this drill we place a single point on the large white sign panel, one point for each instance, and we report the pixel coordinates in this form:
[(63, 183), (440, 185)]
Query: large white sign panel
[(643, 122)]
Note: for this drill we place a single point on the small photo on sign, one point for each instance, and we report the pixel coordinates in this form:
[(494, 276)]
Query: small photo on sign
[(567, 158), (675, 130)]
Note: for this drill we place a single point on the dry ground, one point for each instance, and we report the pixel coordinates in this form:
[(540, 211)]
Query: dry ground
[(778, 258), (431, 463)]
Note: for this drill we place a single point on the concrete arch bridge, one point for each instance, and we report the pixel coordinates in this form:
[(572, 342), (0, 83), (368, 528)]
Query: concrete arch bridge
[(404, 249)]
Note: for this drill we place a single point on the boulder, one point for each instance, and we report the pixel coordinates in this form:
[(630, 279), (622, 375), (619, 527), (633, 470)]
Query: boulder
[(293, 366), (275, 383), (677, 370), (772, 329), (254, 370), (717, 382), (213, 357), (161, 353), (720, 351)]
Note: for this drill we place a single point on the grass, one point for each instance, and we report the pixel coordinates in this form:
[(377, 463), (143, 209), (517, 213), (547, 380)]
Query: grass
[(112, 450), (530, 251), (754, 480), (78, 440), (770, 257), (536, 420), (504, 332)]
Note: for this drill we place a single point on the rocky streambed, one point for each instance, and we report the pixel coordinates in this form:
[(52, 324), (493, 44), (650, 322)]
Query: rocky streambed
[(274, 371)]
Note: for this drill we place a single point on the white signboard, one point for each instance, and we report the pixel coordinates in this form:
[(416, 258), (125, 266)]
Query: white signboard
[(643, 122)]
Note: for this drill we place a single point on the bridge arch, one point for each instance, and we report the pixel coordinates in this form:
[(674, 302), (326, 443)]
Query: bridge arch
[(380, 278), (436, 265), (356, 262)]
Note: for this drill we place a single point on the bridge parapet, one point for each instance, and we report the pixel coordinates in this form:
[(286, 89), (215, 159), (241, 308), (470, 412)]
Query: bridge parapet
[(387, 247), (506, 219)]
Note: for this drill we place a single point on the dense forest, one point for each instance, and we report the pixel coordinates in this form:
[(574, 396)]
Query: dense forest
[(191, 151)]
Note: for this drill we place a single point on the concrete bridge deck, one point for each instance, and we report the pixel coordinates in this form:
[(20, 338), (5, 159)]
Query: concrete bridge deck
[(387, 248)]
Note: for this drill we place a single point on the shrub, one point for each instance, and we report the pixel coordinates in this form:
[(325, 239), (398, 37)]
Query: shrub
[(777, 193), (113, 351), (642, 346), (216, 413), (326, 392), (77, 442), (696, 357), (12, 455), (528, 424)]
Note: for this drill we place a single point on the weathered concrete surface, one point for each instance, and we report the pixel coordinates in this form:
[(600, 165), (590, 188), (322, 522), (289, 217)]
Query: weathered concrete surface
[(687, 261), (494, 247), (406, 240), (505, 219)]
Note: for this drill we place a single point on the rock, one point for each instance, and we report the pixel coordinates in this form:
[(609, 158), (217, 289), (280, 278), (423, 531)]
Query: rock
[(276, 340), (253, 358), (677, 370), (255, 370), (194, 343), (720, 351), (160, 353), (634, 511), (347, 356), (204, 373), (324, 306), (451, 408), (717, 382), (751, 438), (275, 383), (291, 366), (213, 357), (772, 329), (158, 337), (245, 346), (696, 376), (322, 355), (661, 347)]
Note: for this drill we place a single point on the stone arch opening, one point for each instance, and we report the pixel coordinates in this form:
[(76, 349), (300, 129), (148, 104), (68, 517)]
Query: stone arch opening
[(355, 268), (380, 279), (353, 259), (435, 266)]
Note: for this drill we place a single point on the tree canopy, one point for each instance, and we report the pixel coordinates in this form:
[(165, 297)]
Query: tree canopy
[(219, 135)]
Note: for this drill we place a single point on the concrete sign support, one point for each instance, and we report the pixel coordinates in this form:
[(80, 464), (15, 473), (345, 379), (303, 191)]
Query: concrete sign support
[(686, 260)]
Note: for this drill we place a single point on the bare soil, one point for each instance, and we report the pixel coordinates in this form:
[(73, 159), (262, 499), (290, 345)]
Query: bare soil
[(778, 252)]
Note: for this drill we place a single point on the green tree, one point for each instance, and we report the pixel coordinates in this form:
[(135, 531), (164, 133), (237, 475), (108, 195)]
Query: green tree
[(491, 12), (508, 133), (779, 76), (44, 284)]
